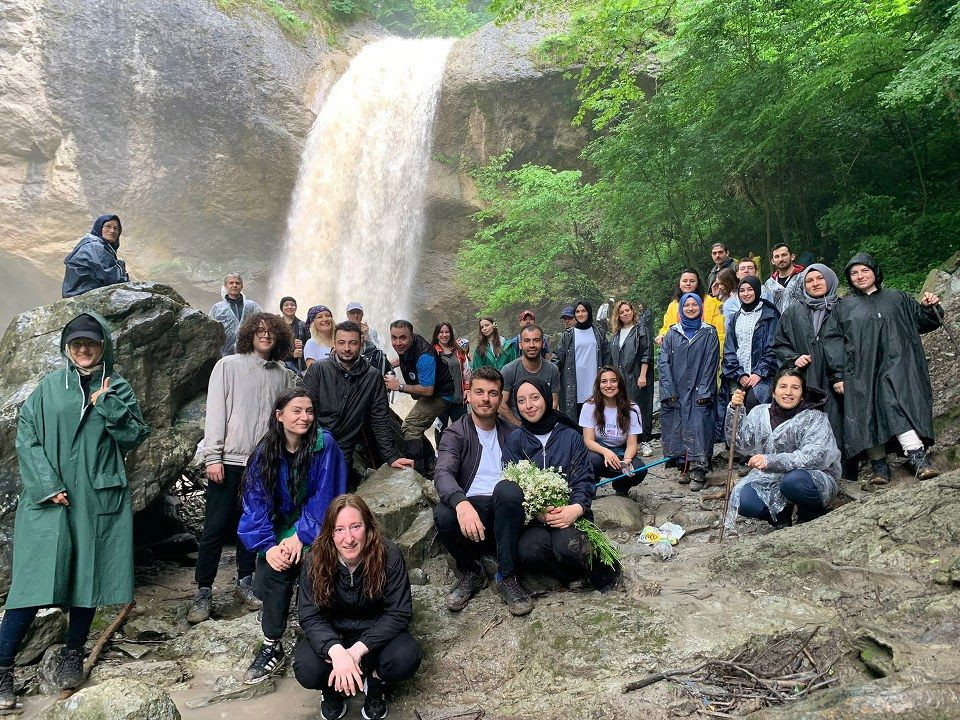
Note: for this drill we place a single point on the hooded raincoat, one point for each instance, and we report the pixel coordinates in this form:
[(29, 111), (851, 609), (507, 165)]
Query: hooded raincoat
[(79, 554), (688, 393), (223, 314), (804, 442), (93, 263), (873, 346)]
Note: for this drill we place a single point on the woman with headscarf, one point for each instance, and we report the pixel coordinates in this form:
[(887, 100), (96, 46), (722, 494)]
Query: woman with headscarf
[(73, 535), (875, 360), (288, 311), (793, 455), (582, 352), (551, 544), (320, 326), (690, 282), (631, 351), (748, 360), (688, 363)]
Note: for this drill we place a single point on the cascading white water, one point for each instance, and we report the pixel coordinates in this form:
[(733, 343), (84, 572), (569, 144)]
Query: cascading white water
[(356, 221)]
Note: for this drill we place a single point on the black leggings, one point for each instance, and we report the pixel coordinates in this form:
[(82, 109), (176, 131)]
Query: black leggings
[(396, 661), (17, 621)]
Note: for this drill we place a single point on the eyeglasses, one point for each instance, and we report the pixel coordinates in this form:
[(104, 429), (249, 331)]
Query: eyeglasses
[(84, 343), (264, 334)]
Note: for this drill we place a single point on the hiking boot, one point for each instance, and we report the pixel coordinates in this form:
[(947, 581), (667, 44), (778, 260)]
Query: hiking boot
[(468, 586), (69, 671), (646, 449), (784, 518), (202, 605), (880, 472), (698, 479), (920, 466), (375, 701), (517, 599), (333, 705), (8, 699), (244, 593), (267, 662)]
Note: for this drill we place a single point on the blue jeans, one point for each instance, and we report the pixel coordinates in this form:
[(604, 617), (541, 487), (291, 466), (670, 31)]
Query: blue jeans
[(797, 487)]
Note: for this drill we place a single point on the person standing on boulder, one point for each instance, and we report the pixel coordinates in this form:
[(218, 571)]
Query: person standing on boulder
[(293, 475), (232, 311), (93, 263), (73, 535), (875, 360), (240, 397)]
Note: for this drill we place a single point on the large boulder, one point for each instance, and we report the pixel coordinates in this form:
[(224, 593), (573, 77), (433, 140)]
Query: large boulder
[(164, 348), (119, 698)]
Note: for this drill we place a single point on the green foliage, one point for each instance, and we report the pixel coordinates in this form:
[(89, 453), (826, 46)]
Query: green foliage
[(440, 18), (295, 17)]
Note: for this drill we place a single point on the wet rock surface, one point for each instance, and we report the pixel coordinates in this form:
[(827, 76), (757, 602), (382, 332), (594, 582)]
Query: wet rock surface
[(116, 699)]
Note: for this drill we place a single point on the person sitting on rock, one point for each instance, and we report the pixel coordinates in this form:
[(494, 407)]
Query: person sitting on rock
[(355, 606), (611, 430), (232, 311), (240, 398), (93, 263), (794, 458), (348, 395), (688, 363), (875, 361), (551, 545), (477, 510), (293, 475), (73, 534)]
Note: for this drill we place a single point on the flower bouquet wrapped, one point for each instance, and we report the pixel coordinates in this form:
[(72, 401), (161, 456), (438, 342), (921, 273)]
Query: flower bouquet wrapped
[(548, 488)]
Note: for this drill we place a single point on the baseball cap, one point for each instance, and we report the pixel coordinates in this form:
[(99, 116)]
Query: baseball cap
[(83, 326), (525, 313), (354, 306), (568, 312)]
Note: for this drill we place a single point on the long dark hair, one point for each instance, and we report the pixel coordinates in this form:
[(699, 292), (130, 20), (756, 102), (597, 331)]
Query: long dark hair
[(699, 290), (483, 343), (436, 332), (326, 560), (269, 453), (279, 330), (621, 399)]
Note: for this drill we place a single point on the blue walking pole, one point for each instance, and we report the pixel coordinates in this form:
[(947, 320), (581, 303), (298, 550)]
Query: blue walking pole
[(645, 467)]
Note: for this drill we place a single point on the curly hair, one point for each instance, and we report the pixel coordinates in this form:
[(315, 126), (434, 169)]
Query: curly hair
[(279, 331), (325, 559)]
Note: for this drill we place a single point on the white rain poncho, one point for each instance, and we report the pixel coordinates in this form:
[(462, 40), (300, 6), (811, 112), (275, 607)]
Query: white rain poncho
[(804, 442)]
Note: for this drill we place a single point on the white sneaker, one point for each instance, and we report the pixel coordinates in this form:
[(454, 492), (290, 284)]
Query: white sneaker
[(646, 450)]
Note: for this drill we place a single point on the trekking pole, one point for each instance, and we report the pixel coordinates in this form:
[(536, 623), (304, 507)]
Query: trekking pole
[(728, 488), (939, 312), (634, 472)]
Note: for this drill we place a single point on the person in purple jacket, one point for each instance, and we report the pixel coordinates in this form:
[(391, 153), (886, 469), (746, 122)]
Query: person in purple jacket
[(291, 479)]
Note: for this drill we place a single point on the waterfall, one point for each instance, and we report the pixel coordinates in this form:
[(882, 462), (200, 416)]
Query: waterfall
[(357, 216)]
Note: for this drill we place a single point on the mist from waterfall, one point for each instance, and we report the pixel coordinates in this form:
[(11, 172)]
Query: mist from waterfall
[(357, 217)]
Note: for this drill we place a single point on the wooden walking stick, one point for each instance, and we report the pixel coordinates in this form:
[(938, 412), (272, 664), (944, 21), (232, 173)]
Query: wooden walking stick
[(728, 489)]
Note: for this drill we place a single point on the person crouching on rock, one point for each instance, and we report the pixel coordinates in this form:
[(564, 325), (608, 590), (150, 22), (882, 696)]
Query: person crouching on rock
[(355, 605), (293, 475), (93, 263), (793, 454), (73, 535), (547, 438)]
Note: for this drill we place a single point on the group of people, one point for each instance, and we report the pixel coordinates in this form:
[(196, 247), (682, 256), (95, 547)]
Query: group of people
[(798, 381)]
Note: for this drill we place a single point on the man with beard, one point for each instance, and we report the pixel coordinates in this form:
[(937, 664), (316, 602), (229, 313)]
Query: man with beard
[(347, 393), (777, 289), (478, 511)]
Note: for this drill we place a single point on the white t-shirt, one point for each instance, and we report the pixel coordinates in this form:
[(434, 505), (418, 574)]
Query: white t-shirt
[(491, 464), (624, 331), (312, 350), (543, 438), (610, 435), (585, 358)]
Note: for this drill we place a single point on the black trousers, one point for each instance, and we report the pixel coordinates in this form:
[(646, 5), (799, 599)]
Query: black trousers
[(275, 590), (564, 554), (502, 518), (220, 523), (623, 485), (396, 661)]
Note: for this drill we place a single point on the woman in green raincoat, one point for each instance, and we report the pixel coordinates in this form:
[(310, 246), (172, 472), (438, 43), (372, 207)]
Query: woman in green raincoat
[(73, 536)]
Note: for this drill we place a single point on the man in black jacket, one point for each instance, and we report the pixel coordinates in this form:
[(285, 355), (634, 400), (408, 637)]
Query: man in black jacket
[(476, 506), (347, 393)]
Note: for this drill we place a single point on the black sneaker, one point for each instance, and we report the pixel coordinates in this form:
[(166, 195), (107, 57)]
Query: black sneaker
[(244, 593), (333, 705), (202, 605), (69, 671), (784, 518), (268, 662), (468, 586), (374, 701), (698, 479), (880, 472), (920, 466), (517, 599), (8, 699)]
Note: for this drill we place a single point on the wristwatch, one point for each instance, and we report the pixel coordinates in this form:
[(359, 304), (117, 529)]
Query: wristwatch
[(402, 388)]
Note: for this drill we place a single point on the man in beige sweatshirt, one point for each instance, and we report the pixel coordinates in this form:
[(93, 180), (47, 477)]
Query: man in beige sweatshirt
[(240, 397)]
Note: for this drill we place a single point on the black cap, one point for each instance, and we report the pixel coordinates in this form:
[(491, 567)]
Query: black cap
[(83, 326)]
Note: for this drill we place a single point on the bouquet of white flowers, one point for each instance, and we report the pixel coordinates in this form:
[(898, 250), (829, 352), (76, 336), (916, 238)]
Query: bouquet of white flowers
[(548, 488)]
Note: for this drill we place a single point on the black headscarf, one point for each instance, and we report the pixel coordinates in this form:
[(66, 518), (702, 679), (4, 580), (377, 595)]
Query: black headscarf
[(551, 418), (863, 259), (754, 282), (589, 321)]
